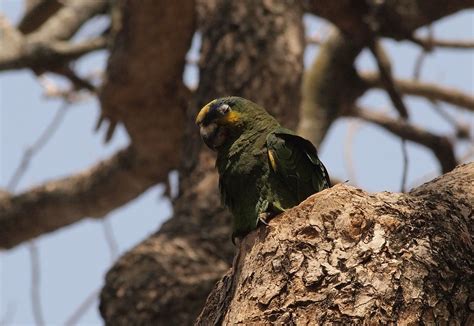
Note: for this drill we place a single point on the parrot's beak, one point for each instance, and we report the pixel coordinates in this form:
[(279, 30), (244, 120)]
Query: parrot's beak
[(213, 135)]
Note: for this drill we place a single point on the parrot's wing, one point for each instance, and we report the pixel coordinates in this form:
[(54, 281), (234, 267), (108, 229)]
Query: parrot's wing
[(296, 161)]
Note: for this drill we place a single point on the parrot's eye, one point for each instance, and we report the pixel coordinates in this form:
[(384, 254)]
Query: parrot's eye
[(224, 108)]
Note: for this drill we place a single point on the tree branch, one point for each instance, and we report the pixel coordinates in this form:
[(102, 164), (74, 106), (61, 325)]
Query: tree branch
[(36, 13), (331, 73), (439, 145), (67, 20), (430, 43), (395, 19), (39, 55), (92, 193), (385, 69), (43, 52), (431, 91)]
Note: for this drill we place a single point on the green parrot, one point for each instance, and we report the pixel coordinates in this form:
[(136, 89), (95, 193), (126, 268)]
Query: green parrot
[(263, 168)]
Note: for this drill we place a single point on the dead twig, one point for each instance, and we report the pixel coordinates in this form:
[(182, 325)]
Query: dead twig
[(421, 57), (82, 308), (430, 43), (385, 69), (32, 150), (93, 296), (110, 239), (28, 155)]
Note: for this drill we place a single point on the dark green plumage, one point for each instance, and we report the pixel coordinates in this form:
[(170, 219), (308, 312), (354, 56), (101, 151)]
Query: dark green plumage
[(263, 167)]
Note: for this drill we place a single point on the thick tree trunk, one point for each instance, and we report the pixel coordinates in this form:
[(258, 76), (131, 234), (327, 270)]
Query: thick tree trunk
[(347, 256), (249, 48)]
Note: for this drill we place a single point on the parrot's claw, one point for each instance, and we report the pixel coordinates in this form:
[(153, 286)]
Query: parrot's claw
[(263, 217)]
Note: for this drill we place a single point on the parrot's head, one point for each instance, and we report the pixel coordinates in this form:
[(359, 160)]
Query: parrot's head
[(222, 120)]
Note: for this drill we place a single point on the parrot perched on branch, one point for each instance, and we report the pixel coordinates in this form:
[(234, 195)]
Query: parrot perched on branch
[(263, 168)]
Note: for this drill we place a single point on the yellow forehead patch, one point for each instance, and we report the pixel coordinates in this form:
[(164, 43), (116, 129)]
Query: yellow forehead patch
[(230, 118), (202, 114)]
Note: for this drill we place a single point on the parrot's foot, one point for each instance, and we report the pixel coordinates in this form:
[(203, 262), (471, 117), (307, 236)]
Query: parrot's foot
[(233, 237), (265, 217), (237, 237)]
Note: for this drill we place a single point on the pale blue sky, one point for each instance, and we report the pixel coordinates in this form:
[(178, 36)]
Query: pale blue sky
[(74, 259)]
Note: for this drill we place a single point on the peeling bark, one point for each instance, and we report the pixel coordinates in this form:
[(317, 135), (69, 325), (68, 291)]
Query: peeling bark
[(347, 256)]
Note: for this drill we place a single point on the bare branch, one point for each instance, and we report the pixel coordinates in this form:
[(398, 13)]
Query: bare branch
[(94, 193), (12, 184), (429, 90), (52, 90), (462, 129), (93, 296), (77, 82), (430, 43), (41, 55), (47, 46), (36, 13), (82, 308), (395, 19), (110, 239), (441, 146), (385, 69), (421, 57), (36, 147), (67, 20)]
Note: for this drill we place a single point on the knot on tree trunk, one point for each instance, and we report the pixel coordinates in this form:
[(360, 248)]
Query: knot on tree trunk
[(348, 256)]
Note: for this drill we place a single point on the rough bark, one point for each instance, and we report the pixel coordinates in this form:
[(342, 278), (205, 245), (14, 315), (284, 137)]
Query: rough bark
[(347, 256), (252, 49)]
